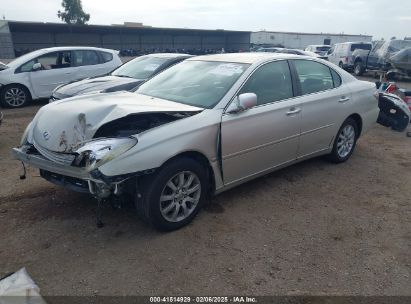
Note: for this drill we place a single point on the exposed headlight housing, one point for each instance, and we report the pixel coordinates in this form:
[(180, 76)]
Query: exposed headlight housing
[(97, 152)]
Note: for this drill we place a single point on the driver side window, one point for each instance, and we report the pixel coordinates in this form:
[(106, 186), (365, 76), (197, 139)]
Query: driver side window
[(270, 82), (49, 61)]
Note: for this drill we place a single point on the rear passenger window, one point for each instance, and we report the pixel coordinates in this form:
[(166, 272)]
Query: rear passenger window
[(336, 78), (85, 57), (271, 82), (313, 76), (106, 56)]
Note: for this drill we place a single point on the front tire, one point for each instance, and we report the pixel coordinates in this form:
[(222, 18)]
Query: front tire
[(345, 141), (173, 196), (14, 96), (358, 68)]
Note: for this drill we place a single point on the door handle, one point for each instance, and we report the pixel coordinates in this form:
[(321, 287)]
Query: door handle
[(344, 99), (293, 111)]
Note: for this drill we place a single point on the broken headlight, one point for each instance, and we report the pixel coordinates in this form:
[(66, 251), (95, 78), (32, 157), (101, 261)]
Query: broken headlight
[(97, 152)]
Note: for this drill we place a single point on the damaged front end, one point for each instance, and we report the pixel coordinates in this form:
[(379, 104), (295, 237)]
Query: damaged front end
[(72, 157), (78, 170)]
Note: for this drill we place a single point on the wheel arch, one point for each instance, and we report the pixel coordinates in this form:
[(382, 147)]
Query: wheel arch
[(202, 159), (357, 59), (20, 85), (358, 120)]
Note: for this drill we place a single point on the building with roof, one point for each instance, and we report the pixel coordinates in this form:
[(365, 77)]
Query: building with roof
[(22, 37)]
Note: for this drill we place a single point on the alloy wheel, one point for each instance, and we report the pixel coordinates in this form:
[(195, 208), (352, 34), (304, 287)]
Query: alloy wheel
[(180, 196), (15, 97), (346, 140)]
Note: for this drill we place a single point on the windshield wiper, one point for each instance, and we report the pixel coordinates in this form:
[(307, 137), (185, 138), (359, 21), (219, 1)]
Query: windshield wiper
[(124, 76)]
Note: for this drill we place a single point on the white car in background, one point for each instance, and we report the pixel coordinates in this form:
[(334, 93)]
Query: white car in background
[(321, 50), (36, 74)]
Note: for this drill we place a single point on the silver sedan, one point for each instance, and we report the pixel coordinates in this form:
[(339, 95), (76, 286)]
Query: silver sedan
[(199, 128)]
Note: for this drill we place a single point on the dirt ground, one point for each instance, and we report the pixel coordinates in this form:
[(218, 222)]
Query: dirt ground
[(311, 229)]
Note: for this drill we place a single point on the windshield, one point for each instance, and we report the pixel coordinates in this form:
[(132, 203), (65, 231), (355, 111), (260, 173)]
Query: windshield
[(23, 59), (322, 48), (197, 83), (140, 68), (361, 46)]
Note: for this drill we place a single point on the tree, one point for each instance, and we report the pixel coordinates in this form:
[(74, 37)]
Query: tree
[(73, 12)]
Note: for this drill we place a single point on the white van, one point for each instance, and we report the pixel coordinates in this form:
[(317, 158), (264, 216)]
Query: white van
[(36, 74), (341, 53)]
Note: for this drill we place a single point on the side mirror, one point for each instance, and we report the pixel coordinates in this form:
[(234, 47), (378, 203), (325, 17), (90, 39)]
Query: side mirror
[(36, 67), (242, 102)]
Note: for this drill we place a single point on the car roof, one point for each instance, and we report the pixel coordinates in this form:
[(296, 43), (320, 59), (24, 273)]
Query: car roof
[(250, 58), (69, 48), (319, 45), (356, 42), (169, 55), (26, 57)]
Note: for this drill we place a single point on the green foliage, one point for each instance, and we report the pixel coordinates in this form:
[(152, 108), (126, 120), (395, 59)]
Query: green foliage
[(73, 12)]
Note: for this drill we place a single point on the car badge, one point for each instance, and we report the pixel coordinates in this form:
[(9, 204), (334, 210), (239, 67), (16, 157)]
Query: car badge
[(46, 135)]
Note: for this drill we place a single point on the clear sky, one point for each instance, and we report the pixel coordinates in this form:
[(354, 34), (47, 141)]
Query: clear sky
[(380, 18)]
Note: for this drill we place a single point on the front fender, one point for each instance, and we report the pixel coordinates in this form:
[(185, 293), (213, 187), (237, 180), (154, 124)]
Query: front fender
[(197, 133)]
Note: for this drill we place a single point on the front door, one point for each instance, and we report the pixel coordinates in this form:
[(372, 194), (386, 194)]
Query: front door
[(55, 70), (266, 136)]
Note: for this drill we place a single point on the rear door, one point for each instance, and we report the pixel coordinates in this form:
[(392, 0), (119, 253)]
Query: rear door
[(325, 103), (89, 64), (266, 136), (56, 69)]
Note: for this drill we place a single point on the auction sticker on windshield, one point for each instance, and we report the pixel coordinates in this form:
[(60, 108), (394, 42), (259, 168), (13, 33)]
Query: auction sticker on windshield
[(227, 69)]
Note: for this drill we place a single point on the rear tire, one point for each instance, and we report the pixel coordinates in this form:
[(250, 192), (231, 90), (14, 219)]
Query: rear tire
[(172, 197), (14, 96), (358, 68), (341, 65), (345, 141)]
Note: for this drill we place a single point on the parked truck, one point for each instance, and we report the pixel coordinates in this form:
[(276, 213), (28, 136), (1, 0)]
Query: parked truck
[(388, 56)]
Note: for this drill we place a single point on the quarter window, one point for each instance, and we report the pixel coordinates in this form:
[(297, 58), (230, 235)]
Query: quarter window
[(106, 56), (271, 82), (313, 76)]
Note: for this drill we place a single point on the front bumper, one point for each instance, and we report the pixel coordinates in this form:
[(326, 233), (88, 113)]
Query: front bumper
[(41, 162), (75, 178)]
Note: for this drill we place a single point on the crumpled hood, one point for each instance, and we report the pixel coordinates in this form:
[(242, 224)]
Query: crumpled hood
[(62, 125), (95, 84)]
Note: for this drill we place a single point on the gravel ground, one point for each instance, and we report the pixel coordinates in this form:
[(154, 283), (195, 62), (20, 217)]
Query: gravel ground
[(311, 229)]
